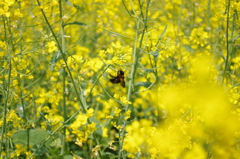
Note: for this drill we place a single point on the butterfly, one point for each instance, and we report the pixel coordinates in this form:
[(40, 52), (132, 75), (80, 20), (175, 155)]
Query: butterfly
[(118, 79)]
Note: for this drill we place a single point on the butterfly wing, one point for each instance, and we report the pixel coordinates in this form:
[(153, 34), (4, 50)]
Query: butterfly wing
[(115, 80), (118, 79), (122, 83), (112, 76)]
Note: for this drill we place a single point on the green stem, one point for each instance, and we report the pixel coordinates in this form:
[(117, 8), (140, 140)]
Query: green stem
[(94, 84), (227, 43), (3, 131), (64, 113), (79, 95), (64, 79), (135, 64), (82, 103), (5, 106), (137, 50)]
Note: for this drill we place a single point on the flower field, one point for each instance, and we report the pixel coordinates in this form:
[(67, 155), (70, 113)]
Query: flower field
[(120, 79)]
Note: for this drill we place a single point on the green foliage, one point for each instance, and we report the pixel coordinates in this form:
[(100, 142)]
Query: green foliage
[(31, 137)]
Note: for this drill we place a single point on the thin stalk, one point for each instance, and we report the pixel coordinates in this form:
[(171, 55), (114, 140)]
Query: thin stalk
[(135, 56), (232, 49), (227, 47), (25, 118), (22, 84), (118, 101), (3, 131), (79, 95), (65, 61), (64, 113), (5, 107), (135, 64), (137, 50), (94, 84), (64, 79)]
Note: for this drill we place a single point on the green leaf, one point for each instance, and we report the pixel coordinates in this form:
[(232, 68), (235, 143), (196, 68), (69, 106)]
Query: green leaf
[(54, 59), (80, 8), (76, 23), (69, 3), (99, 128), (67, 157), (56, 143), (35, 136), (39, 152), (164, 31), (144, 84), (115, 33), (149, 70), (235, 38)]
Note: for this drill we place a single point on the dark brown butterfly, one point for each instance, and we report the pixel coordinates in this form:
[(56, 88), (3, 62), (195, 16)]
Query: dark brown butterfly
[(119, 78)]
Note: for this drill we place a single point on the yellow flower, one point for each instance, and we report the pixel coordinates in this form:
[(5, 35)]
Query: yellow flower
[(3, 45), (91, 127), (104, 132), (120, 54), (18, 13), (51, 46), (198, 38), (90, 112), (9, 2), (124, 100), (127, 114)]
